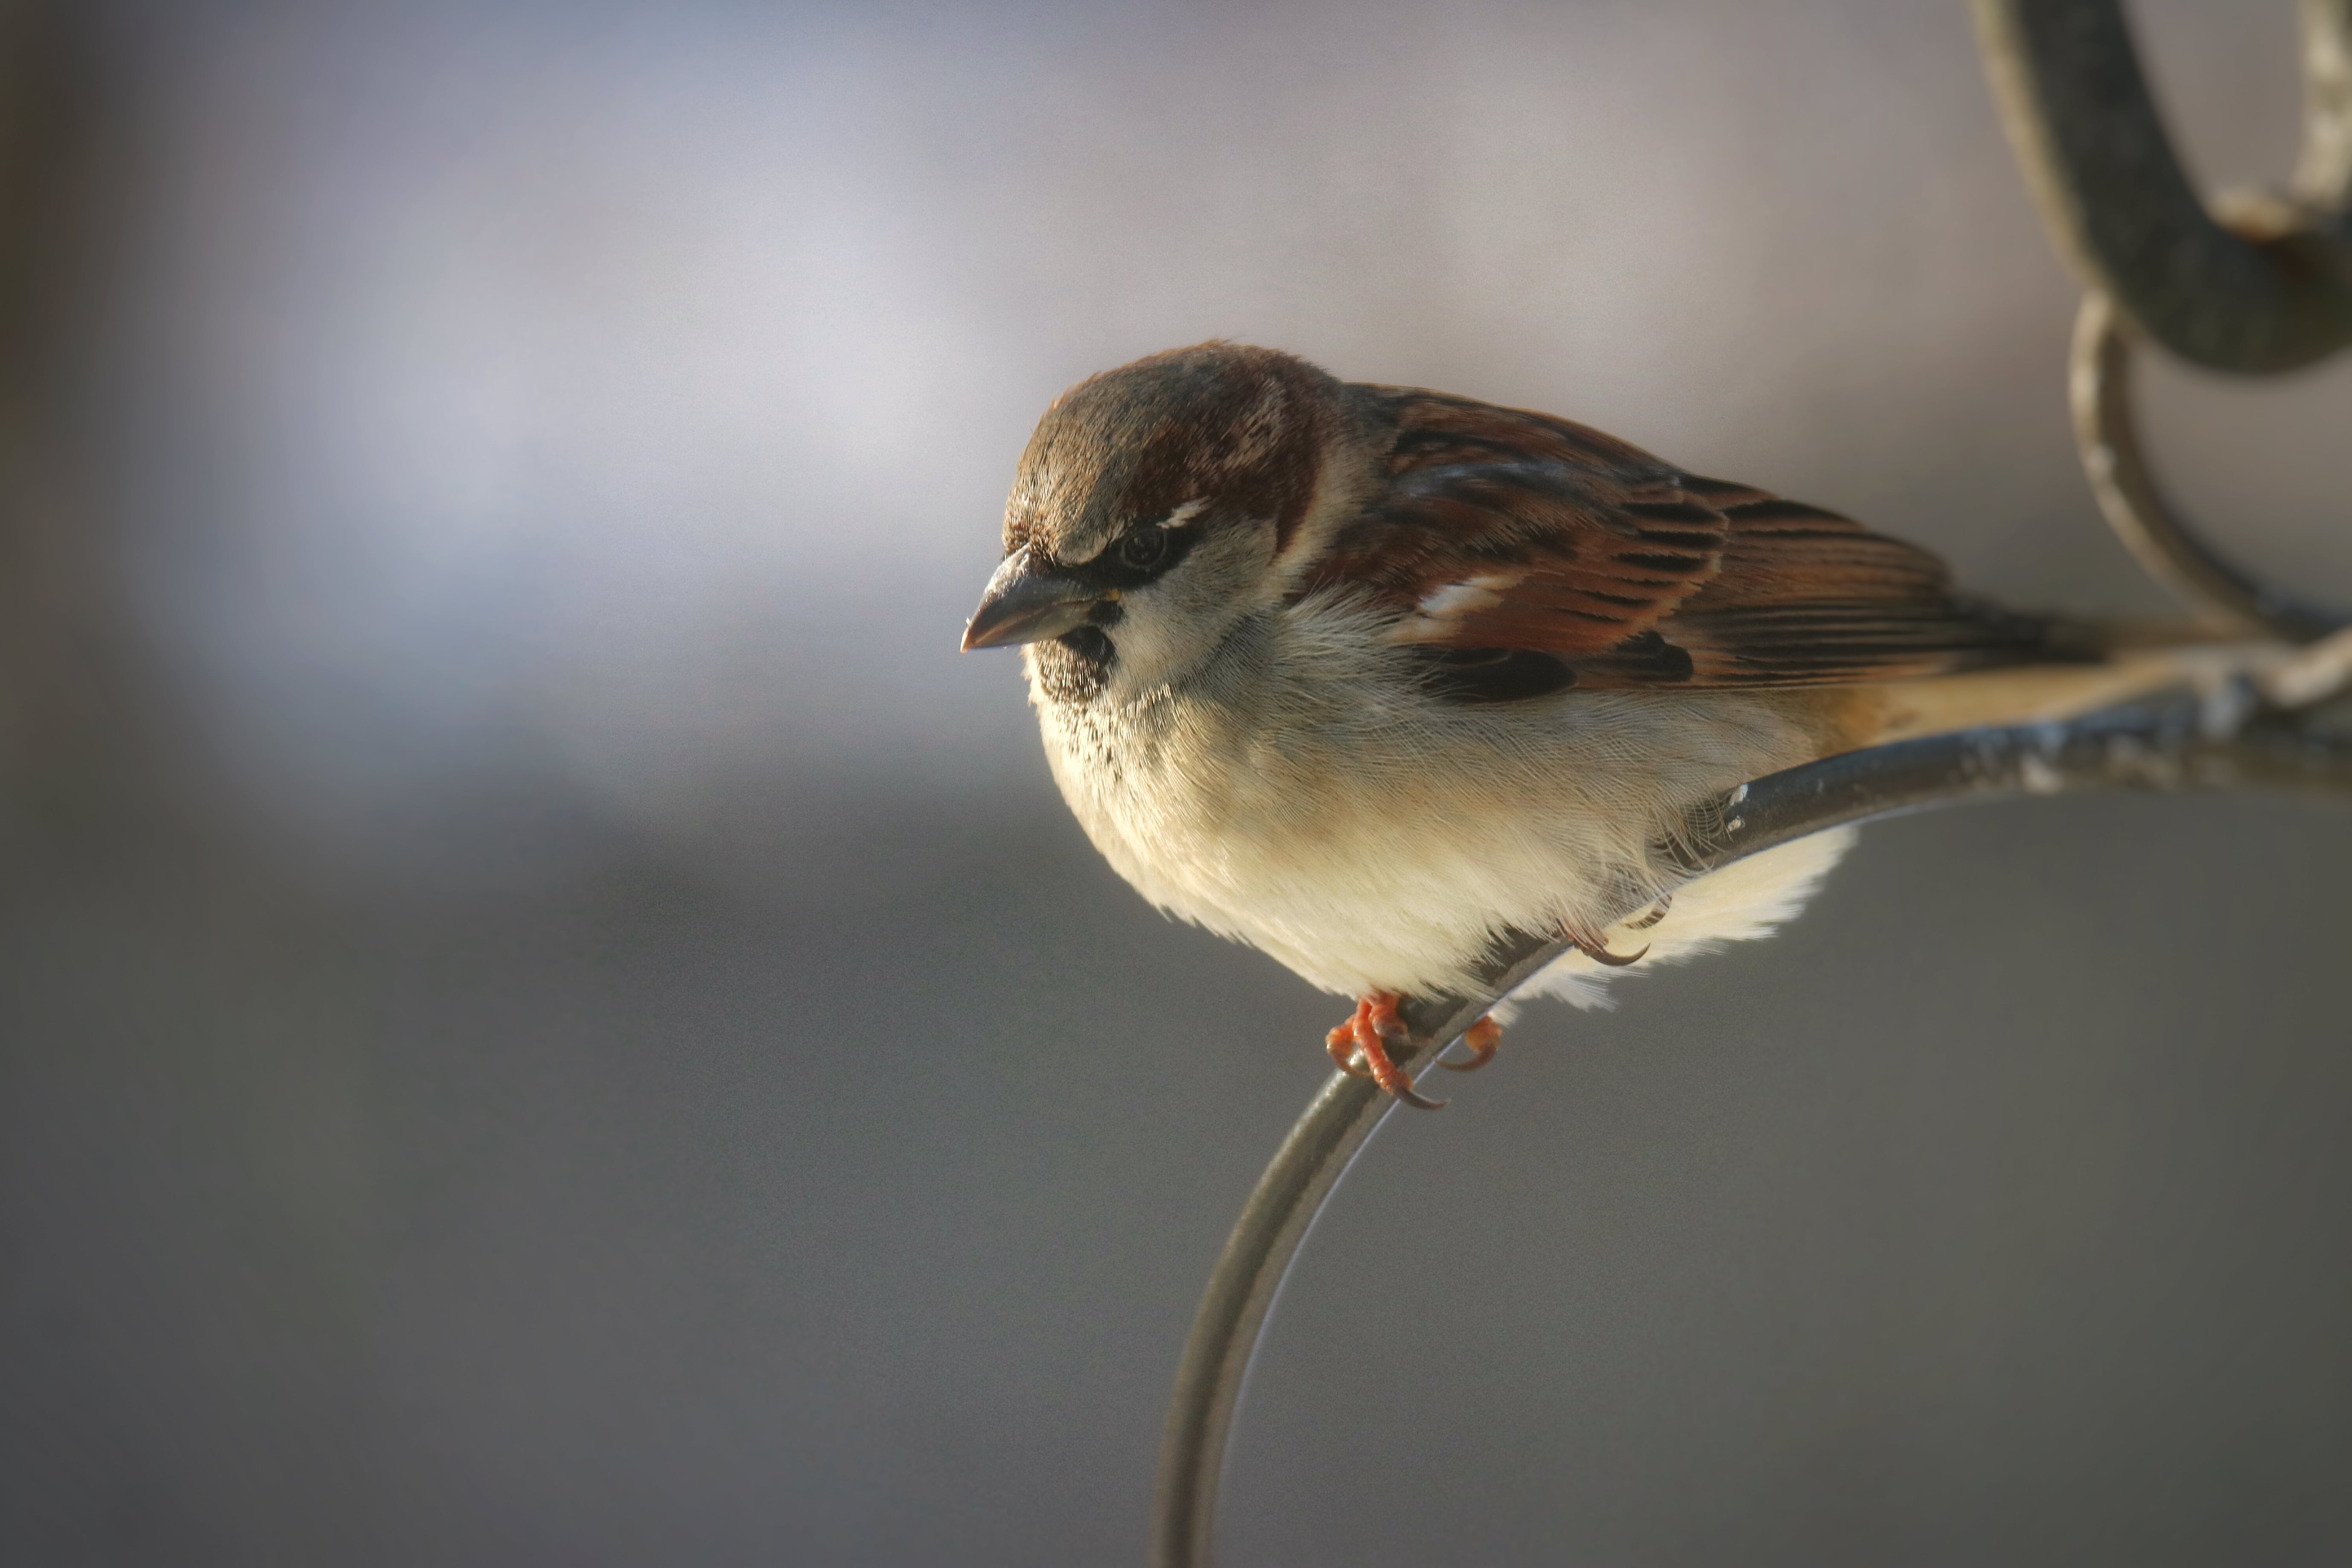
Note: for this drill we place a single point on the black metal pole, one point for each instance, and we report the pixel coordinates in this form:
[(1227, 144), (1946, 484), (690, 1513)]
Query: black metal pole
[(2219, 739)]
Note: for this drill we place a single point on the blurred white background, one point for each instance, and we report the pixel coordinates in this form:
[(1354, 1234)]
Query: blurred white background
[(626, 395), (551, 1017)]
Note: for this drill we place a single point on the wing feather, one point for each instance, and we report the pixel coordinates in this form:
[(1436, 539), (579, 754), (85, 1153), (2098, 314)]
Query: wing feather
[(1508, 536)]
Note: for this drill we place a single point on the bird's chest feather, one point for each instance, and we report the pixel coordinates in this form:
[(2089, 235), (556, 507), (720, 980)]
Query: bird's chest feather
[(1311, 797)]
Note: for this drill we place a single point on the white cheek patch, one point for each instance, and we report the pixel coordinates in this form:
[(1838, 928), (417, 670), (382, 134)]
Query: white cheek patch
[(1441, 610)]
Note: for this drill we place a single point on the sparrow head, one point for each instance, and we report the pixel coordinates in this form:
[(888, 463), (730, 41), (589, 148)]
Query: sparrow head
[(1160, 503)]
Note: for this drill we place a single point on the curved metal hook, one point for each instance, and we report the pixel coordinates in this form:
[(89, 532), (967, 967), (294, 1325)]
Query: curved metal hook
[(2094, 148), (2323, 176), (2261, 283), (2096, 151), (2098, 393), (2166, 744)]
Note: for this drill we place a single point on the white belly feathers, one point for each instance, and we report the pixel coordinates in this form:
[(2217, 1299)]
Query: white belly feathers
[(1387, 840)]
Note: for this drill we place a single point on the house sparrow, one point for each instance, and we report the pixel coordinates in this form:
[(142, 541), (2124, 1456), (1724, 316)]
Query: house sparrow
[(1367, 676)]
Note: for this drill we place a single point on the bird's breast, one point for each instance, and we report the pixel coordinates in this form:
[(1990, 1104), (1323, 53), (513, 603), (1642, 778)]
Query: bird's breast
[(1373, 836)]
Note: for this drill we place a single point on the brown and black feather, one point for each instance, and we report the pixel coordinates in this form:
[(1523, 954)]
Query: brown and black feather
[(1532, 553)]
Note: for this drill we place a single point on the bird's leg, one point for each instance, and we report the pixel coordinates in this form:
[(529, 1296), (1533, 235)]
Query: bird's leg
[(1374, 1025), (1342, 1043), (1482, 1038)]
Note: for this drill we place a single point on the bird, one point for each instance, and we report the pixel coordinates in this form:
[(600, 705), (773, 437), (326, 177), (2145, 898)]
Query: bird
[(1368, 676)]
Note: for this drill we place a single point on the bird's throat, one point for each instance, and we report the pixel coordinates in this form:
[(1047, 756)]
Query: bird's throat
[(1074, 667)]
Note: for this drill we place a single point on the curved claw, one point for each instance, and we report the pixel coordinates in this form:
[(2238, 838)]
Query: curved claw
[(1657, 912), (1599, 954), (1482, 1039), (1375, 1023)]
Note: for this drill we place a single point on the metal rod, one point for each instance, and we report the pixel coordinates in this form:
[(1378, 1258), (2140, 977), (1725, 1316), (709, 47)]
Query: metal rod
[(2106, 438), (1272, 1225), (2077, 108), (2094, 150), (2222, 738), (2323, 176)]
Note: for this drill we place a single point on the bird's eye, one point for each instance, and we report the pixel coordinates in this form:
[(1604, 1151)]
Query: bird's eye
[(1141, 549)]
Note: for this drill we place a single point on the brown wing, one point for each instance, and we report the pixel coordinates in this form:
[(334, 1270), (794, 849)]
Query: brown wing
[(1514, 541)]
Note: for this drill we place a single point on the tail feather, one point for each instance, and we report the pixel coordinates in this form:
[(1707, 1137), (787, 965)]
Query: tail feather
[(2047, 693)]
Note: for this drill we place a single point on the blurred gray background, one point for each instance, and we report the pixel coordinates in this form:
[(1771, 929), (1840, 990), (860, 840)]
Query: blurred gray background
[(548, 1017)]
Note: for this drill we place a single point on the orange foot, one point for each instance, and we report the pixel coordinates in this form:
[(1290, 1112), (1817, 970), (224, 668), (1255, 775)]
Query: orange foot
[(1367, 1035), (1484, 1036)]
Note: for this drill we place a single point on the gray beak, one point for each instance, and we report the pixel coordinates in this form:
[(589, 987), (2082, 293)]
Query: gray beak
[(1028, 603)]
